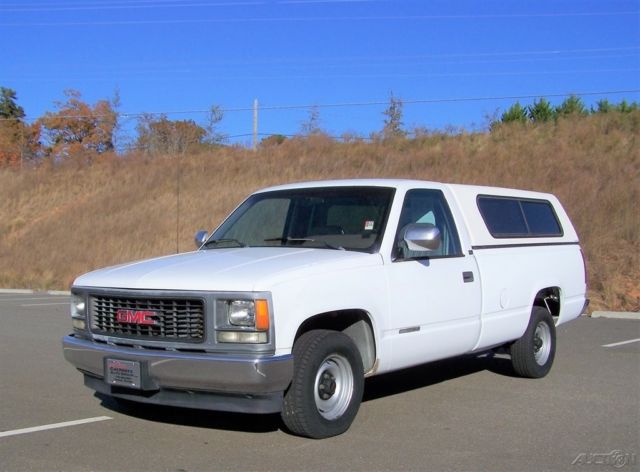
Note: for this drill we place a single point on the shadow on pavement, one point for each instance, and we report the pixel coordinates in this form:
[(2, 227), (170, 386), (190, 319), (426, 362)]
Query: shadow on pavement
[(375, 387), (196, 418), (433, 373)]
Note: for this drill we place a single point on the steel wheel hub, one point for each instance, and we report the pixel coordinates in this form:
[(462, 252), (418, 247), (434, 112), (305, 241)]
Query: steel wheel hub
[(333, 386), (327, 386), (542, 343)]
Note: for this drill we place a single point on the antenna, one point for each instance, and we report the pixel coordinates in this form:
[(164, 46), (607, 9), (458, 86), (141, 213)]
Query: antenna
[(255, 124)]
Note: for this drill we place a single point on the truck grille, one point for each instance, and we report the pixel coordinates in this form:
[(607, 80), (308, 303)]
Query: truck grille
[(148, 318)]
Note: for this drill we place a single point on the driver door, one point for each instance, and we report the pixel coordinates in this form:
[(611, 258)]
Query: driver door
[(435, 298)]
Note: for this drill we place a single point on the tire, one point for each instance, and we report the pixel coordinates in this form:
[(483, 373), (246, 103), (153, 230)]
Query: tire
[(532, 355), (327, 386)]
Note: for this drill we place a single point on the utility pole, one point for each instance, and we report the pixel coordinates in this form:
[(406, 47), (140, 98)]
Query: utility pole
[(255, 124)]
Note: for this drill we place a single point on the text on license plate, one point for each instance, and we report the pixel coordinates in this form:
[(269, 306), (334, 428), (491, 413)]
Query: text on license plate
[(122, 373)]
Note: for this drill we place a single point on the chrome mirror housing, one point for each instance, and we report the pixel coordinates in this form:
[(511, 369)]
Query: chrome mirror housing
[(200, 238), (422, 236)]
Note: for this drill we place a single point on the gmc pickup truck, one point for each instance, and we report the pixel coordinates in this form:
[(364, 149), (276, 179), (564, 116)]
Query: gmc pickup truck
[(306, 289)]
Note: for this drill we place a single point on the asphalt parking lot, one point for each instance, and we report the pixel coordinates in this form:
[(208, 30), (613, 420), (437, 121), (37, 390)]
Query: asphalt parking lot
[(468, 413)]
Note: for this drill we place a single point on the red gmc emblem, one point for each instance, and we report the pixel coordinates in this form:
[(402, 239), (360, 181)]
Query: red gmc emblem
[(140, 317)]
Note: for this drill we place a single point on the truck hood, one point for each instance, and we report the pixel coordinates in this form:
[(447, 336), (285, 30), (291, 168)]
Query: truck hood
[(237, 269)]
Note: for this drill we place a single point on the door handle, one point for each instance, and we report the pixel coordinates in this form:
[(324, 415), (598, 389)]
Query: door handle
[(467, 277)]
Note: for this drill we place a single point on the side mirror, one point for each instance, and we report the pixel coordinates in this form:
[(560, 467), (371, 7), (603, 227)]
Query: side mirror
[(200, 238), (422, 236)]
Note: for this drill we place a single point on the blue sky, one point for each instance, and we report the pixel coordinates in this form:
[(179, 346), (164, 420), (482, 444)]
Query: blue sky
[(185, 55)]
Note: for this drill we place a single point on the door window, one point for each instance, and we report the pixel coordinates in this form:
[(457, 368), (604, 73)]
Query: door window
[(427, 206)]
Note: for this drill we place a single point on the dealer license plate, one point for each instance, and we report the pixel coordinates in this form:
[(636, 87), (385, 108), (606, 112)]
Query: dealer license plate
[(123, 373)]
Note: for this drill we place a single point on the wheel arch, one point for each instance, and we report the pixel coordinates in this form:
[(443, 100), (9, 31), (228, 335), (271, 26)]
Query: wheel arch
[(355, 323), (549, 299)]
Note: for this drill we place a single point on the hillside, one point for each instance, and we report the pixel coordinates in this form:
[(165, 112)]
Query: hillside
[(58, 221)]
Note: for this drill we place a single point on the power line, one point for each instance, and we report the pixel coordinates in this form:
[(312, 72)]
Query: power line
[(436, 100), (426, 75), (356, 104), (362, 60), (143, 70), (118, 4), (420, 74), (74, 3), (301, 19), (124, 6)]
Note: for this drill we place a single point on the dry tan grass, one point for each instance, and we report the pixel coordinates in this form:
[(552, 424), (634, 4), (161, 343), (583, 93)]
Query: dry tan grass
[(58, 222)]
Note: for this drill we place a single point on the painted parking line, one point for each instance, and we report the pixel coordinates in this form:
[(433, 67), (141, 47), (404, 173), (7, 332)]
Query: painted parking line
[(26, 291), (46, 427), (24, 299), (622, 343), (44, 304)]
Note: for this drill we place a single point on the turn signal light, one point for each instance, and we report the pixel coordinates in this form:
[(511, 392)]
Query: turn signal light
[(262, 315)]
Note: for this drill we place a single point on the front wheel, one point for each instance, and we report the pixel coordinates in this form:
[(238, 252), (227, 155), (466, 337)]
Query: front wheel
[(532, 355), (327, 386)]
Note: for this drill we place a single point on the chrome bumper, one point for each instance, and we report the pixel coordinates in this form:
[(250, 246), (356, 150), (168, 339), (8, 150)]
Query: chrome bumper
[(228, 374)]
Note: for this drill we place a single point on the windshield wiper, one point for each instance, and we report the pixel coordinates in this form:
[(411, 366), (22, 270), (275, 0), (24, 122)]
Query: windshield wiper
[(305, 240), (211, 242)]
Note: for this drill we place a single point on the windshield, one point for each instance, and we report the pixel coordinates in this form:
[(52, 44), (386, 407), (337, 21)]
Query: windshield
[(341, 218)]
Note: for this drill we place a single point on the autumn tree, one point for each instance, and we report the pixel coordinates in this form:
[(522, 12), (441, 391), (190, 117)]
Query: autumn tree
[(311, 125), (159, 135), (78, 128), (214, 137), (393, 114)]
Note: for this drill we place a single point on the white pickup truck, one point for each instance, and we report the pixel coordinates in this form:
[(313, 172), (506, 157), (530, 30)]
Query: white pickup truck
[(306, 289)]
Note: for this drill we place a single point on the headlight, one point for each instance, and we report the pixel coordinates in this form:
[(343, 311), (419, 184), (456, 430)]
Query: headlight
[(78, 311), (245, 321), (249, 313), (242, 313)]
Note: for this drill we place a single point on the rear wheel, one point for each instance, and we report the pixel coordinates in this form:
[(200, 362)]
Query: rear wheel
[(532, 355), (327, 386)]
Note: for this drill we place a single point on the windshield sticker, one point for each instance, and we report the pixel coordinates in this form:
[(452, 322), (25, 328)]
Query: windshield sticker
[(368, 225)]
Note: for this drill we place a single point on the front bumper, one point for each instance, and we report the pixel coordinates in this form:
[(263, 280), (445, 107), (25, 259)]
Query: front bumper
[(210, 381)]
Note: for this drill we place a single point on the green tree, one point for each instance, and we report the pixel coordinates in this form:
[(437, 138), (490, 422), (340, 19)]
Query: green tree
[(273, 140), (603, 106), (9, 109), (571, 106), (541, 111), (19, 142), (517, 113), (393, 114), (625, 107)]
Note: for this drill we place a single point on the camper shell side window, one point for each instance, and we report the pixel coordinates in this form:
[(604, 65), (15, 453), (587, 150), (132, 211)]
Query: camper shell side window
[(511, 217)]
